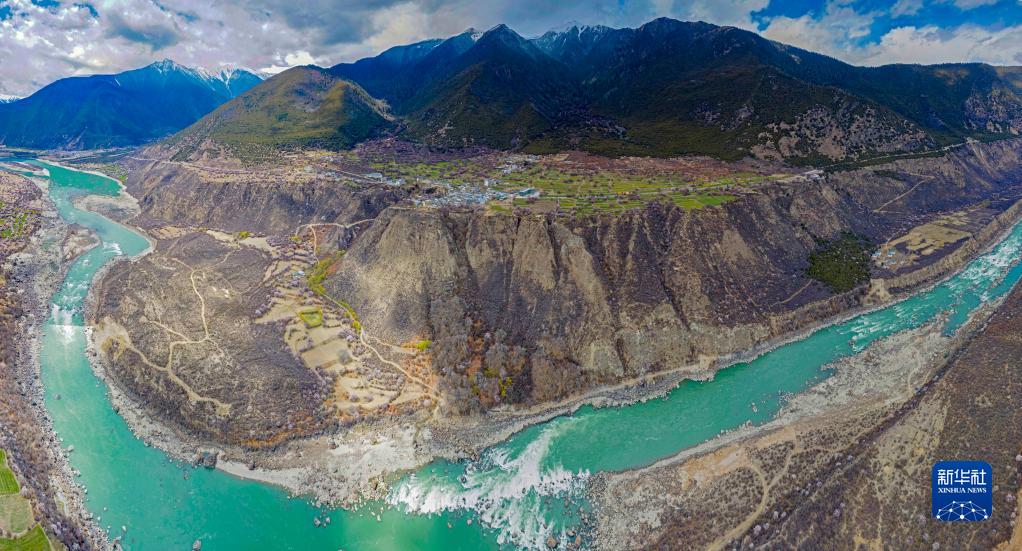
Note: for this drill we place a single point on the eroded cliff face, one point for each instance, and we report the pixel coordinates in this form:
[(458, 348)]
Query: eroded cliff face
[(231, 200), (535, 308), (519, 309)]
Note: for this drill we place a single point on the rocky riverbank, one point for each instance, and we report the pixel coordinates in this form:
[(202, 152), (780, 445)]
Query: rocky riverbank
[(848, 455), (32, 276)]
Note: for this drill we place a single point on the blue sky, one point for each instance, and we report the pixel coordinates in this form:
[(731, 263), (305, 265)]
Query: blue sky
[(42, 40), (874, 32), (945, 14)]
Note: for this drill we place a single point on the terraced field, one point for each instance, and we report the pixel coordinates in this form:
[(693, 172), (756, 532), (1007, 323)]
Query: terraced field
[(8, 484), (15, 513), (545, 184), (19, 530), (33, 540)]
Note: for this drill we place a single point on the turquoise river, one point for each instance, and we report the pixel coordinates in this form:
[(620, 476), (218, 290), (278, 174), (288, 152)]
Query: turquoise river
[(515, 495)]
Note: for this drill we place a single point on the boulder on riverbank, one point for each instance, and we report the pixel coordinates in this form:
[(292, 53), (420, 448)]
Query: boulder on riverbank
[(206, 459)]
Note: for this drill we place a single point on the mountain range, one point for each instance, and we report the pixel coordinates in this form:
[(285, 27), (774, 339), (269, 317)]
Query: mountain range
[(301, 107), (665, 88), (128, 108)]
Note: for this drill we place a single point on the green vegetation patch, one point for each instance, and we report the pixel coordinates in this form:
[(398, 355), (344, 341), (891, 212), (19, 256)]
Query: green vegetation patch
[(423, 344), (16, 516), (13, 223), (843, 263), (302, 107), (315, 281), (116, 172), (714, 200), (33, 540), (577, 191), (313, 317), (505, 386), (319, 272), (8, 484), (15, 513)]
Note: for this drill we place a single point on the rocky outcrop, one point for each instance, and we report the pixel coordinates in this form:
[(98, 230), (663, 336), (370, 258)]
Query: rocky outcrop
[(996, 111), (176, 330)]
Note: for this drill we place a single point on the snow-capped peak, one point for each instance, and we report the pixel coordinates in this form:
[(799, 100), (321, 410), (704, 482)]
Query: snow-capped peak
[(565, 27), (230, 70), (224, 74), (576, 28), (168, 65), (4, 98)]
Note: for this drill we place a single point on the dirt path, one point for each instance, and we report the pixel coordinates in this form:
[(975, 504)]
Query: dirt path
[(315, 236), (362, 338), (926, 178), (396, 348), (222, 408), (795, 294), (911, 155), (768, 487)]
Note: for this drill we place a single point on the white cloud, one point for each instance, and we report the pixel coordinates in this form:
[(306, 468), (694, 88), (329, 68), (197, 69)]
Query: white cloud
[(39, 45), (737, 13), (930, 44), (966, 5), (835, 33), (906, 7), (843, 33), (403, 23)]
